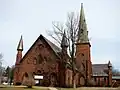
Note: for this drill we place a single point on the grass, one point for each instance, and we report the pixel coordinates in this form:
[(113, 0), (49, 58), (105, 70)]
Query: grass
[(7, 87), (11, 88), (49, 88), (16, 88), (89, 88)]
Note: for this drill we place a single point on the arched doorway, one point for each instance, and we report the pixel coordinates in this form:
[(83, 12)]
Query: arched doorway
[(28, 79), (24, 75), (82, 81), (53, 79), (24, 78)]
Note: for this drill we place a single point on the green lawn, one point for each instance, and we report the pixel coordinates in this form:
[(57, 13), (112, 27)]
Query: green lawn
[(12, 88), (89, 88), (17, 89), (6, 87), (49, 88)]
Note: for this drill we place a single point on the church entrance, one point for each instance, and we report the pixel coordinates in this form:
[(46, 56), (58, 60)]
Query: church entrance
[(53, 80)]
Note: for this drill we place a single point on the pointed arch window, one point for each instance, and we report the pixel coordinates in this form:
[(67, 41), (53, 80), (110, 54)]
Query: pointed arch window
[(40, 46), (35, 61), (40, 59), (82, 54), (82, 67)]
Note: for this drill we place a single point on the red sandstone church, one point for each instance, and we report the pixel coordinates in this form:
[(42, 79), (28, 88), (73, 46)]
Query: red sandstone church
[(51, 64)]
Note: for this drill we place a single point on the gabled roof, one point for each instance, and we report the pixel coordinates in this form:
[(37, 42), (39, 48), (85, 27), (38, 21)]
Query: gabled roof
[(55, 48), (100, 69)]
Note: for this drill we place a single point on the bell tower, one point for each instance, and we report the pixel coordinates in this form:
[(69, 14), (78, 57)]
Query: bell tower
[(17, 63), (83, 57)]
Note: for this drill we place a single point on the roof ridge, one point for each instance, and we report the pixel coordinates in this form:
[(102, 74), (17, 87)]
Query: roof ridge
[(100, 64)]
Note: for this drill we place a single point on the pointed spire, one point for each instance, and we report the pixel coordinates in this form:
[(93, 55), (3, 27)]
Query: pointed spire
[(64, 42), (109, 64), (82, 33), (20, 45)]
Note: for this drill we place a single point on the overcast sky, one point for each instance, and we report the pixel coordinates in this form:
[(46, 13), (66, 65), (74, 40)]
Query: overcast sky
[(31, 18)]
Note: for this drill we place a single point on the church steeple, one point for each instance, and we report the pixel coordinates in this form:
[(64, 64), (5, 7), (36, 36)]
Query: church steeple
[(83, 56), (82, 33), (20, 45), (19, 51)]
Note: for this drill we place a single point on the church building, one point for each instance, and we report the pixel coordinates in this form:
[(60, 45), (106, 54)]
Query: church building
[(50, 65)]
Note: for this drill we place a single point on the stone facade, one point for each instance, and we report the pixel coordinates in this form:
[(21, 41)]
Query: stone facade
[(53, 63), (40, 59)]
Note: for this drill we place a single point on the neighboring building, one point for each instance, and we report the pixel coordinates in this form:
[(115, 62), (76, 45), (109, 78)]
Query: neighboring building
[(51, 65), (115, 80), (102, 74)]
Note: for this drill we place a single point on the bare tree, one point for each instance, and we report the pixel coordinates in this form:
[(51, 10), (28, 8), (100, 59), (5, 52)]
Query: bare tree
[(1, 58), (12, 74), (71, 28), (1, 68), (8, 69)]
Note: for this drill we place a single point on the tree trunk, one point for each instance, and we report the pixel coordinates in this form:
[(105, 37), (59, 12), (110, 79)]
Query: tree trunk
[(73, 66), (0, 79), (74, 82)]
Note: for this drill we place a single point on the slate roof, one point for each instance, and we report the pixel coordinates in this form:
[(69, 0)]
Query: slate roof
[(55, 48), (100, 69)]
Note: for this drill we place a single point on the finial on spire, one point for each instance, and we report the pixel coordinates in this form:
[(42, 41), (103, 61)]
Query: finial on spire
[(20, 45), (64, 42), (82, 33), (81, 5), (82, 16), (109, 64)]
